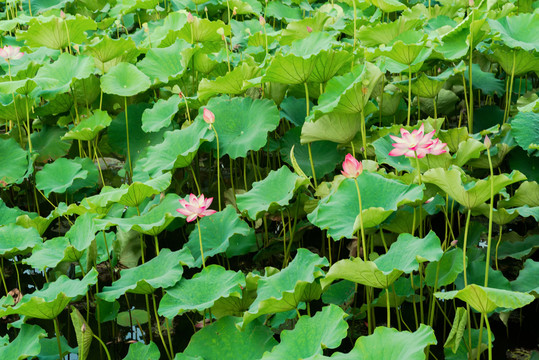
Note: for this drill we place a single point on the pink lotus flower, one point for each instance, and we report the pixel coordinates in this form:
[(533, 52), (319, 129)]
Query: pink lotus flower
[(11, 52), (437, 147), (208, 116), (415, 144), (351, 168), (261, 20), (195, 207), (309, 29), (190, 18), (487, 142)]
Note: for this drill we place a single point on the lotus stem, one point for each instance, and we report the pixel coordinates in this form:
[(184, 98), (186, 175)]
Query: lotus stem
[(388, 308), (497, 245), (102, 345), (200, 242), (409, 94), (2, 275), (490, 211), (17, 272), (14, 103), (354, 30), (127, 138), (30, 7), (148, 313), (470, 77), (57, 332), (363, 133), (226, 49), (508, 96), (195, 179), (363, 243), (489, 338), (413, 299), (466, 227), (159, 327), (309, 144), (218, 168)]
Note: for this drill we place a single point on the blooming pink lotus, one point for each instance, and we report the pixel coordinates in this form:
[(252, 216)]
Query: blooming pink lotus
[(417, 144), (208, 116), (351, 168), (437, 147), (196, 207), (9, 52)]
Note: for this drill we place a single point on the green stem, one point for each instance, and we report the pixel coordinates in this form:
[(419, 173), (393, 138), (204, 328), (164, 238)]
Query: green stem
[(355, 36), (159, 327), (200, 242), (491, 209), (363, 128), (363, 243), (195, 179), (388, 308), (2, 275), (508, 103), (309, 144), (57, 331), (489, 338), (127, 134), (409, 94), (470, 71), (102, 345), (218, 169)]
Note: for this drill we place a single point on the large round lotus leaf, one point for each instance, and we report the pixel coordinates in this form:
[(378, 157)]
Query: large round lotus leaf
[(25, 345), (165, 64), (523, 61), (82, 233), (48, 144), (486, 300), (325, 330), (58, 77), (518, 249), (160, 115), (424, 85), (242, 124), (325, 154), (384, 33), (407, 49), (164, 270), (40, 6), (486, 81), (49, 346), (109, 52), (59, 176), (202, 291), (177, 149), (518, 31), (15, 239), (525, 130), (124, 79), (339, 211), (151, 221), (388, 6), (141, 351), (56, 33), (204, 30), (450, 266), (409, 251), (328, 64), (47, 254), (281, 11), (527, 278), (526, 194), (235, 82), (9, 215), (101, 202), (391, 344), (336, 127), (349, 93), (272, 193), (475, 274), (88, 128), (217, 232), (90, 181), (15, 167), (223, 340), (137, 192), (50, 301), (361, 272), (382, 147), (471, 194), (290, 69), (284, 290)]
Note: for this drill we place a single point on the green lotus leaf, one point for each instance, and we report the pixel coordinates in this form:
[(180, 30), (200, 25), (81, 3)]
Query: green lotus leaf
[(47, 254), (49, 348), (527, 278), (139, 191), (203, 30), (518, 31), (471, 194), (294, 110), (525, 130), (56, 33), (88, 128), (290, 69), (177, 149), (486, 81), (40, 6), (129, 6), (281, 11), (59, 76), (242, 124), (272, 193), (384, 33), (409, 251), (161, 114), (15, 239), (298, 29), (518, 249), (202, 291), (388, 6), (450, 267), (9, 215), (339, 211), (336, 127), (15, 168), (108, 52), (141, 351), (475, 274), (164, 270), (46, 142), (165, 64), (82, 233), (325, 154), (222, 339), (325, 330), (50, 301), (59, 176), (522, 61), (391, 344), (217, 233), (407, 49), (486, 300), (235, 82), (284, 290), (152, 221), (124, 79), (424, 85), (129, 319), (467, 150), (26, 344), (526, 194), (500, 216), (350, 93), (361, 272)]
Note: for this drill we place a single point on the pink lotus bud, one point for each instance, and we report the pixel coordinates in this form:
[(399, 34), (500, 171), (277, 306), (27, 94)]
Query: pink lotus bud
[(454, 242), (83, 328), (190, 18), (471, 2), (208, 116), (261, 20), (180, 95), (488, 143), (62, 14), (309, 29), (351, 168), (234, 11)]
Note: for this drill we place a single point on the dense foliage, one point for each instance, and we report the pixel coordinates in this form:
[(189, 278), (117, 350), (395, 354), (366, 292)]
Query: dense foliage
[(239, 179)]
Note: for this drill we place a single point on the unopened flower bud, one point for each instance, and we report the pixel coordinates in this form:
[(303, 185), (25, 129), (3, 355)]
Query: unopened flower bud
[(145, 27), (454, 242), (488, 143), (261, 20), (190, 18), (309, 29), (234, 11), (62, 14)]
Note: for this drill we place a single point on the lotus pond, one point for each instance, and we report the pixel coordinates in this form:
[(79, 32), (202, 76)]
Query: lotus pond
[(288, 179)]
